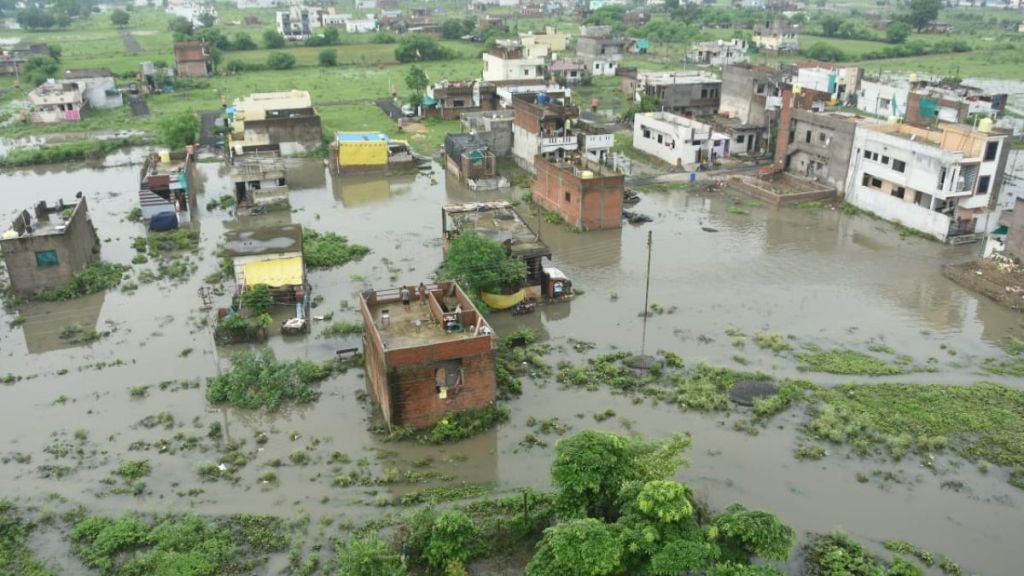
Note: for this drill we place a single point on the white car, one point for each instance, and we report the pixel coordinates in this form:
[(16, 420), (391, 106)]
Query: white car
[(408, 110)]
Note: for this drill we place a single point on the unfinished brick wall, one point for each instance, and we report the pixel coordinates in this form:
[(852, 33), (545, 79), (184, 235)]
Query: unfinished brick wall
[(590, 204), (414, 398)]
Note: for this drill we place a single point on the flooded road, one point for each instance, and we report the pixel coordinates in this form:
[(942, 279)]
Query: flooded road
[(815, 274)]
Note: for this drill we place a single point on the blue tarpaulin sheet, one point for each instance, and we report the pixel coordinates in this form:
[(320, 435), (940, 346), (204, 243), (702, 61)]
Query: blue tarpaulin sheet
[(163, 221)]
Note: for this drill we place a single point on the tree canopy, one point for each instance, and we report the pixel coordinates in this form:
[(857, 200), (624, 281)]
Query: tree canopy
[(419, 48), (280, 60), (37, 69), (178, 130), (480, 264), (273, 39), (328, 57), (897, 32), (416, 80), (369, 557), (120, 18), (922, 13)]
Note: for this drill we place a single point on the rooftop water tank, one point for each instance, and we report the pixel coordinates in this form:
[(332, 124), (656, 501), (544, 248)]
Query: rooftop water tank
[(586, 175), (985, 125)]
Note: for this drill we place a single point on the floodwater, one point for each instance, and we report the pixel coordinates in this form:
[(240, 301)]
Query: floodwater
[(817, 275)]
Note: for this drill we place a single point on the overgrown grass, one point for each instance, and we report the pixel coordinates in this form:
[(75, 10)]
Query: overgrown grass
[(454, 426), (842, 361), (1012, 365), (341, 328), (96, 277), (63, 153), (329, 250), (257, 380), (16, 555)]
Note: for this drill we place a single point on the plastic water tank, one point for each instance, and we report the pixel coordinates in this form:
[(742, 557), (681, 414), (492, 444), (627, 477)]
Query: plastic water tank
[(586, 175), (985, 125)]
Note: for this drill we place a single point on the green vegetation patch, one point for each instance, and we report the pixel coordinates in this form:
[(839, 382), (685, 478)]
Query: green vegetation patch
[(95, 277), (64, 153), (520, 355), (328, 250), (842, 361), (175, 545), (16, 556), (258, 380), (981, 422), (341, 328), (837, 554), (1012, 365)]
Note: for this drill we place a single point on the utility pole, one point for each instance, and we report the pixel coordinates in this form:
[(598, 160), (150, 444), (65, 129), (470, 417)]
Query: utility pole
[(647, 293)]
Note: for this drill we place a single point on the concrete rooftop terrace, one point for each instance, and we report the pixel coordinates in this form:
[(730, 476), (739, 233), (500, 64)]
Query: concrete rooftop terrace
[(424, 321), (498, 221)]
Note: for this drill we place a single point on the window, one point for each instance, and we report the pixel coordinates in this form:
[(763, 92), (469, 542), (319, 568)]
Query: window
[(792, 136), (568, 197), (870, 181), (703, 92), (659, 138), (647, 132), (885, 159), (740, 138), (46, 258), (458, 103), (899, 192), (983, 184), (990, 151), (807, 137), (942, 178), (899, 165), (526, 71), (867, 154), (821, 137)]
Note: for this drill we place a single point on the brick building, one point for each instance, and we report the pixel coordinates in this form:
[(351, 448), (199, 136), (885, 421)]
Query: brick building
[(449, 100), (428, 359), (46, 252), (586, 194), (192, 59)]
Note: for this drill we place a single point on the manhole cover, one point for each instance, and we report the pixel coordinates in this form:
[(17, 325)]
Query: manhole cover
[(746, 391)]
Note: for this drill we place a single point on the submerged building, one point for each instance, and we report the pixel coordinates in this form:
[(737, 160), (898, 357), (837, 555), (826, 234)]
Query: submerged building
[(368, 152), (46, 248), (287, 119), (585, 194), (427, 359), (166, 186)]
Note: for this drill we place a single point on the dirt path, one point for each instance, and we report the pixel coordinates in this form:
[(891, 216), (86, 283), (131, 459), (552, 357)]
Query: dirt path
[(130, 43)]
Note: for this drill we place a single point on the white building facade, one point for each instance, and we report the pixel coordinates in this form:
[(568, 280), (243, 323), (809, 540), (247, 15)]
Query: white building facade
[(940, 182), (883, 100), (503, 64), (677, 140)]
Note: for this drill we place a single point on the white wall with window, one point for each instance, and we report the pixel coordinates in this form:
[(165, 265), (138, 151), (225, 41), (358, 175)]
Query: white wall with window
[(677, 140)]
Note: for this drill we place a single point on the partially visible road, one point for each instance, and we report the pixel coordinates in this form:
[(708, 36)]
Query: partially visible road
[(130, 43), (138, 105), (207, 137)]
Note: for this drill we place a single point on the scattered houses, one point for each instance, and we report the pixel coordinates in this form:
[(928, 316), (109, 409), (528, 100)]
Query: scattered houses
[(567, 72), (166, 188), (429, 358), (546, 124), (194, 12), (719, 52), (287, 119), (54, 101), (679, 141), (942, 182), (192, 59), (98, 87), (555, 42), (587, 195), (449, 100), (842, 83), (494, 128), (12, 58), (259, 177), (932, 102), (46, 251)]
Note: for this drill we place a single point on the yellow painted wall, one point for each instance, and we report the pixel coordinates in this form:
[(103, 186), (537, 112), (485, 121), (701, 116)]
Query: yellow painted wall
[(362, 153)]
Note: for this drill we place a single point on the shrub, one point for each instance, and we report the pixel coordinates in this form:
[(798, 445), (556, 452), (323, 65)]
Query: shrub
[(280, 61), (257, 380), (452, 539), (258, 299)]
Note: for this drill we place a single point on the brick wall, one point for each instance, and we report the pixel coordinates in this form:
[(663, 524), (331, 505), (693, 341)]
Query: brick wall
[(75, 248), (590, 204), (415, 401), (1015, 232)]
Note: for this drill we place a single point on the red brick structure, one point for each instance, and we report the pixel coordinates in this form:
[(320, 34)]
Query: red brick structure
[(587, 195), (192, 59), (428, 359)]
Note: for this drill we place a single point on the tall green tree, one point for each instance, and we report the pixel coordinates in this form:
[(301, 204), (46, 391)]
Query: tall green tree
[(178, 130), (420, 48), (480, 264), (584, 547), (37, 69), (897, 32), (181, 27), (747, 533), (272, 39), (119, 18), (416, 79), (452, 539), (923, 12), (207, 19)]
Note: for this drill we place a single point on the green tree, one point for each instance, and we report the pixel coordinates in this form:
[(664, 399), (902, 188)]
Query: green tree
[(591, 468), (258, 300), (207, 19), (922, 13), (181, 27), (178, 130), (453, 29), (897, 32), (744, 533), (272, 39), (585, 547), (417, 81), (369, 557), (37, 69), (331, 36), (452, 539), (480, 264), (830, 25), (243, 42), (280, 61), (119, 18), (328, 57), (35, 19), (731, 569), (419, 48)]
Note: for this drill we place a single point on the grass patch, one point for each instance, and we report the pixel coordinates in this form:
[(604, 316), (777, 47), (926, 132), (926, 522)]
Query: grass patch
[(257, 380), (520, 355), (339, 329), (65, 153), (841, 361), (329, 250), (16, 555), (775, 342), (1012, 365)]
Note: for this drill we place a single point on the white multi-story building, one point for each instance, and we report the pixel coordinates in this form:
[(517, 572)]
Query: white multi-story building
[(883, 99), (546, 124), (507, 62), (842, 82), (355, 26), (191, 11), (299, 22), (942, 182), (719, 52), (678, 140)]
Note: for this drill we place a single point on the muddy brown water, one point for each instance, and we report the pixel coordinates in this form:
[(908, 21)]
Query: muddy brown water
[(819, 275)]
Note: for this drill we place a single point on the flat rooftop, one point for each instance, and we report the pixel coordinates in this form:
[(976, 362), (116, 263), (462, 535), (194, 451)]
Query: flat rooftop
[(51, 223), (361, 137), (949, 137), (498, 221), (672, 78), (267, 240), (422, 323)]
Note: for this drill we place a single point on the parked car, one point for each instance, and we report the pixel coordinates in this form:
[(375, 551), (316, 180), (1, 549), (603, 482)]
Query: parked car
[(408, 110)]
